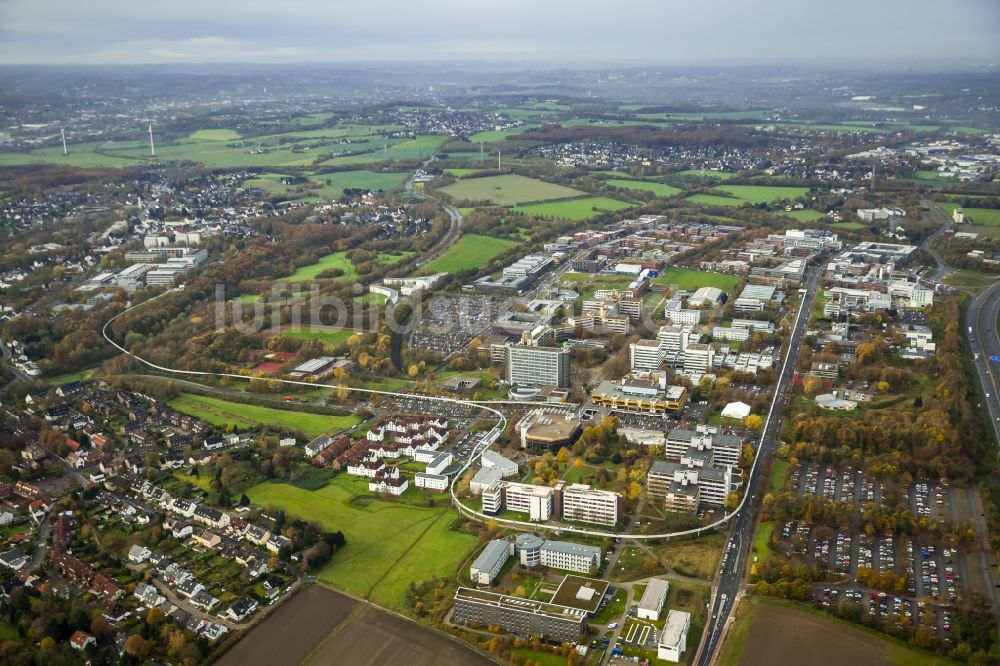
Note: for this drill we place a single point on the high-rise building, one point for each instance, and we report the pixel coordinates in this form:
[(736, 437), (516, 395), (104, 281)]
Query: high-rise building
[(535, 366), (646, 355)]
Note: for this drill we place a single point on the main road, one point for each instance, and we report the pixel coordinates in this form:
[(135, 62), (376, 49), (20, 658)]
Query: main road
[(981, 328), (729, 580)]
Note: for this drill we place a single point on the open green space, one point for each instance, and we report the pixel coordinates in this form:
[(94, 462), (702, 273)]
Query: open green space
[(575, 209), (361, 179), (713, 200), (420, 147), (757, 194), (492, 136), (471, 251), (971, 281), (659, 189), (507, 190), (988, 217), (704, 173), (389, 544), (227, 413), (804, 215), (329, 262), (690, 279), (849, 226), (458, 172), (214, 135), (332, 337)]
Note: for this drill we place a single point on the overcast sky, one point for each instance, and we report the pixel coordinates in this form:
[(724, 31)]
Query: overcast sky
[(654, 31)]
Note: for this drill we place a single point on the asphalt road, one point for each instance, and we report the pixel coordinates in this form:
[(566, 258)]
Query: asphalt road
[(980, 327), (734, 558)]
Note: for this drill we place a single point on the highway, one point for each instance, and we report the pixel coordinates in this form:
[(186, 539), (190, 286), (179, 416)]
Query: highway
[(729, 580), (980, 327)]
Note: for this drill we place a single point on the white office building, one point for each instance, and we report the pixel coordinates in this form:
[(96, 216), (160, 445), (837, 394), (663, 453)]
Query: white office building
[(535, 366), (651, 604), (646, 355), (536, 501), (490, 561), (699, 358), (673, 638), (492, 459), (590, 505)]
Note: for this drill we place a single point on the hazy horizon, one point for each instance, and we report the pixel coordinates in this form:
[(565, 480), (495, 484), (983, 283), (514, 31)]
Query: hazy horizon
[(893, 33)]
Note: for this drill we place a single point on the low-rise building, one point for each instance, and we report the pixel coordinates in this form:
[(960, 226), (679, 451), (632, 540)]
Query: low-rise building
[(489, 562), (651, 603), (673, 638), (522, 617)]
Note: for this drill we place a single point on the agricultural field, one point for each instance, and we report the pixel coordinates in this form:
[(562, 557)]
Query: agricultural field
[(361, 179), (269, 182), (704, 173), (420, 147), (714, 200), (757, 194), (690, 279), (492, 136), (214, 135), (507, 190), (329, 262), (389, 544), (471, 251), (575, 209), (221, 412), (804, 215), (659, 189), (459, 172)]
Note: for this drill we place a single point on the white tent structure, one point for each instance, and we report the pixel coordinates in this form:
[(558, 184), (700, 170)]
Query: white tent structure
[(736, 410)]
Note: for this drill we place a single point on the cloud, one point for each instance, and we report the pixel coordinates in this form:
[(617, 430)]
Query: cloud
[(662, 31)]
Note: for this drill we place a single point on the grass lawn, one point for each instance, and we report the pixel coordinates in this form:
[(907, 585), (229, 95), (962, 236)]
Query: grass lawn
[(392, 258), (420, 147), (80, 375), (970, 280), (698, 559), (659, 189), (575, 209), (329, 262), (805, 215), (492, 136), (224, 413), (850, 226), (214, 135), (760, 550), (540, 658), (763, 193), (507, 190), (704, 173), (988, 217), (690, 279), (389, 544), (713, 200), (471, 251), (613, 610), (330, 336), (459, 172)]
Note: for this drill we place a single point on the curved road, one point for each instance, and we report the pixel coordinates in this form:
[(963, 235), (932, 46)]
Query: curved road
[(981, 329)]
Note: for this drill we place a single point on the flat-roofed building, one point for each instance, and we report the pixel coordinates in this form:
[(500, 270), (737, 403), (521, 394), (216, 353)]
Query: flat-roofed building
[(486, 567), (493, 498), (589, 505), (491, 458), (639, 396), (673, 638), (536, 501), (651, 604), (674, 337), (536, 366), (699, 357), (515, 615), (548, 428), (646, 355), (754, 298), (570, 556), (438, 482)]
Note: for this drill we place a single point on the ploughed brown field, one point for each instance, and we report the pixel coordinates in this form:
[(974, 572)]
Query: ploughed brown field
[(787, 636), (320, 627)]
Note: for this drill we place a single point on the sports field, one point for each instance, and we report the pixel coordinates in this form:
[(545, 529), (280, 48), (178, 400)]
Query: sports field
[(329, 262), (389, 544), (575, 209), (690, 279), (763, 193), (225, 413), (471, 251), (325, 334), (659, 189), (507, 190)]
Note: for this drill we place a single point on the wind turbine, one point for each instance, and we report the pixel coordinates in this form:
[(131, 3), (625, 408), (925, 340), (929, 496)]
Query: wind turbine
[(152, 148), (62, 133)]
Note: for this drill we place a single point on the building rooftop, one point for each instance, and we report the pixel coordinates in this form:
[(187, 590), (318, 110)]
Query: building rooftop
[(655, 594), (568, 593), (495, 550), (525, 605)]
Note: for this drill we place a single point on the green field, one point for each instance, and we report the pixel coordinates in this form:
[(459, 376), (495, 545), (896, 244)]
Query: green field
[(471, 251), (420, 147), (704, 173), (458, 173), (804, 215), (507, 190), (225, 413), (332, 337), (329, 262), (713, 200), (659, 189), (214, 135), (362, 180), (492, 136), (763, 193), (849, 226), (575, 209), (690, 279), (987, 217), (389, 544)]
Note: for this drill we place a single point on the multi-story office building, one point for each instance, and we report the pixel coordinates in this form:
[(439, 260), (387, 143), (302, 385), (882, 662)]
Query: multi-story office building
[(646, 355), (519, 616), (490, 561), (534, 366), (639, 396), (725, 449), (674, 337), (536, 501), (533, 551), (590, 505), (677, 478), (698, 357), (673, 638)]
